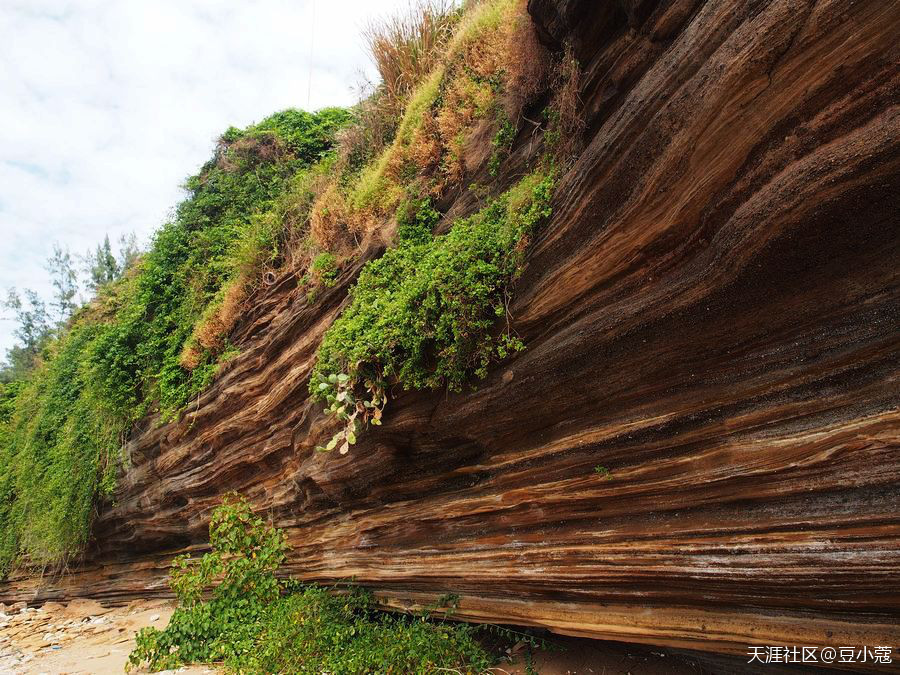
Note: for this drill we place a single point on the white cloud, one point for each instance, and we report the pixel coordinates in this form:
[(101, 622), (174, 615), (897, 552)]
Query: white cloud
[(107, 105)]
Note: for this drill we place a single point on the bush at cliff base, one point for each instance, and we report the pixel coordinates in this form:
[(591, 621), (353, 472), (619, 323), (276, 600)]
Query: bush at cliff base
[(231, 609)]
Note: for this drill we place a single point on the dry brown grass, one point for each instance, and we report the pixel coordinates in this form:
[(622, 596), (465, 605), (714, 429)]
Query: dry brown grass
[(501, 69), (424, 150), (331, 220), (487, 70), (209, 333), (406, 47), (233, 305), (567, 123), (190, 356), (527, 64), (213, 328)]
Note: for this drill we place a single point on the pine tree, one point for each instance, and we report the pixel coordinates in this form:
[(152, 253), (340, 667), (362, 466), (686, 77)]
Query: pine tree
[(65, 283), (103, 265), (33, 323)]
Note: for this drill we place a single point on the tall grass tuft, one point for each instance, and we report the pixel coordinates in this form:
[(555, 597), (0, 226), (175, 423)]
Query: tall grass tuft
[(407, 46)]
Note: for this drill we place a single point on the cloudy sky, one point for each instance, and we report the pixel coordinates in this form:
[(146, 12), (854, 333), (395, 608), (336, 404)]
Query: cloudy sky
[(107, 105)]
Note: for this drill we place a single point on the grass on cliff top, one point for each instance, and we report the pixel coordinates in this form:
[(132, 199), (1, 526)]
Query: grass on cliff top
[(148, 342), (491, 67)]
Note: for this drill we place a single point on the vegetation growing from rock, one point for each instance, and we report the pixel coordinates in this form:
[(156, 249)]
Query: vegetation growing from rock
[(296, 194), (231, 609), (488, 71), (424, 313), (150, 340)]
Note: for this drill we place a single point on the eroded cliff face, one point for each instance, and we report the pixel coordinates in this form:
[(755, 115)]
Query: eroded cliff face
[(711, 314)]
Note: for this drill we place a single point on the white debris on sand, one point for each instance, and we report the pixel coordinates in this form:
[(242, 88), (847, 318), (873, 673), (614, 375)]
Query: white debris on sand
[(82, 636)]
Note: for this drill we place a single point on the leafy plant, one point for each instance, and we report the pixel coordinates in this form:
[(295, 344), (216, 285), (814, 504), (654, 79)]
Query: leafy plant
[(238, 574), (423, 314), (324, 268), (502, 143), (231, 609), (316, 631), (602, 471), (337, 390), (416, 221)]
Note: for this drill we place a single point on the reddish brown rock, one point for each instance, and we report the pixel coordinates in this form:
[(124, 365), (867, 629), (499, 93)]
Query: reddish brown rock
[(712, 314)]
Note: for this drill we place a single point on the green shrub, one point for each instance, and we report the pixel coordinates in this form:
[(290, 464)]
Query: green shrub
[(416, 222), (602, 471), (239, 577), (424, 313), (231, 609), (324, 268), (9, 391), (60, 450), (501, 144), (315, 631)]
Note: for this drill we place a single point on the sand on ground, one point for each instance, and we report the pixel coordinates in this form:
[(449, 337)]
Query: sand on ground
[(80, 637), (85, 637)]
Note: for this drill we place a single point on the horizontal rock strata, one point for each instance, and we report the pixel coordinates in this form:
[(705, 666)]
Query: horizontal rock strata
[(711, 314)]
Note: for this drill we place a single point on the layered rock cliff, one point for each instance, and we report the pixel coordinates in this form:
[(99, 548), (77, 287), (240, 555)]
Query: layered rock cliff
[(711, 314)]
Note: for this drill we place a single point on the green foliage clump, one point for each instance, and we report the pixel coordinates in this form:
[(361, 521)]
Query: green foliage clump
[(423, 314), (239, 574), (416, 222), (231, 609), (8, 393), (122, 356), (200, 251), (501, 143), (59, 450), (324, 268), (315, 631), (309, 136)]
